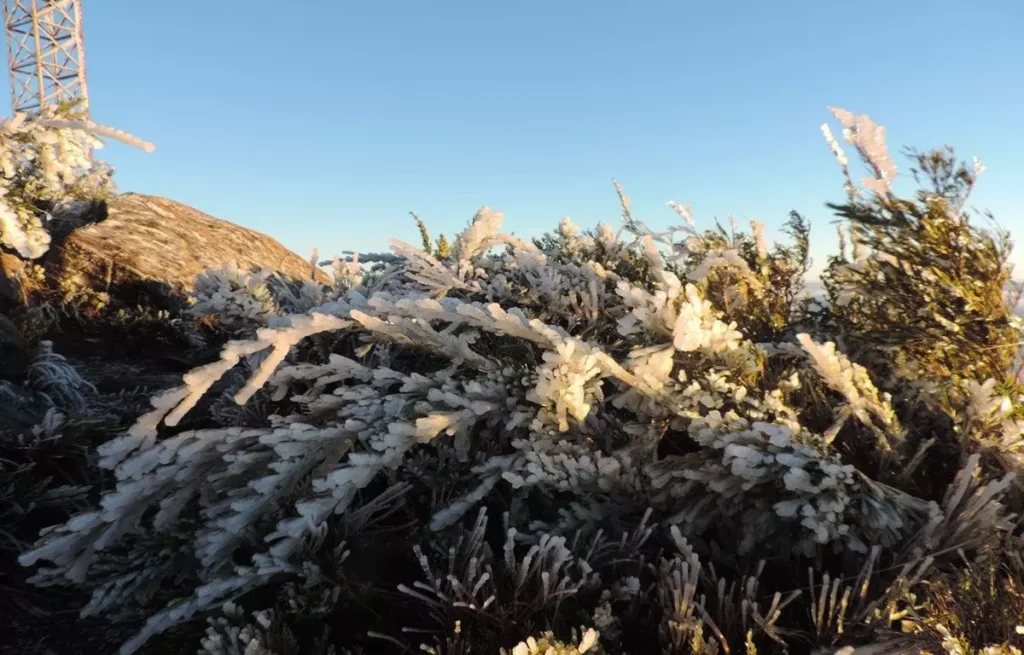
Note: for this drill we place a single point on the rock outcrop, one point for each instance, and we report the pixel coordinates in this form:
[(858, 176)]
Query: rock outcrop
[(151, 240), (12, 291)]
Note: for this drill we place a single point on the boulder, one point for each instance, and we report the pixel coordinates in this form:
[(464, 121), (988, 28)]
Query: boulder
[(12, 292), (147, 240)]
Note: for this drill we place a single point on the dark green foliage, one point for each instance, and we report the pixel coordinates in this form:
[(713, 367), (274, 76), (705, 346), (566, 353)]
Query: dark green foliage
[(440, 249), (931, 297)]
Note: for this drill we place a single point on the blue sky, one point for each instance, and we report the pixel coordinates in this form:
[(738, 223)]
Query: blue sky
[(324, 125)]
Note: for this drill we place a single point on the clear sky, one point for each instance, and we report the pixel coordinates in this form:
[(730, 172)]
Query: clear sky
[(324, 122)]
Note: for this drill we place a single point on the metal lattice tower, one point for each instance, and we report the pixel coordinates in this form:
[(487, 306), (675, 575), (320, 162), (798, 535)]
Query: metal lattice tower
[(45, 53)]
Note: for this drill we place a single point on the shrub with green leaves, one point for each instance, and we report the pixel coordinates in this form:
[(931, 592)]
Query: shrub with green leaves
[(656, 436)]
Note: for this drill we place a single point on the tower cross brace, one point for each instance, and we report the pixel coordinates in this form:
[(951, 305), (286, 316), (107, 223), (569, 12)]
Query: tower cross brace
[(45, 53)]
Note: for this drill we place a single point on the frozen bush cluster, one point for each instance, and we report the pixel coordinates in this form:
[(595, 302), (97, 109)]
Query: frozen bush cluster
[(816, 493), (46, 165), (652, 415), (240, 299), (548, 645)]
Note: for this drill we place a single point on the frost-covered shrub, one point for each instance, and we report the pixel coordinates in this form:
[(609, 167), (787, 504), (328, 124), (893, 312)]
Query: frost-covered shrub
[(922, 265), (653, 415), (47, 168), (44, 475), (240, 300), (57, 379), (244, 301), (548, 645)]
